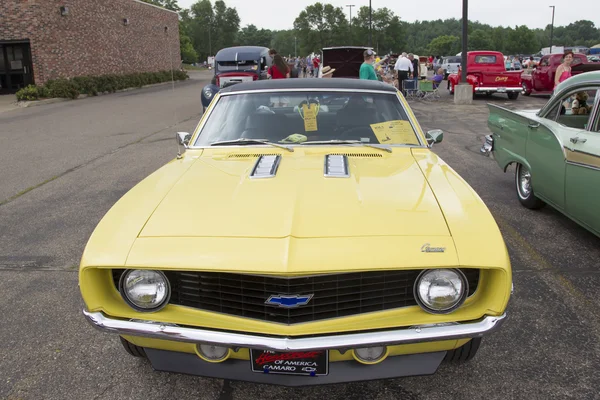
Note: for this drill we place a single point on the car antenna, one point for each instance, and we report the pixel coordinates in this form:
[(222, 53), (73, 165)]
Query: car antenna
[(175, 119)]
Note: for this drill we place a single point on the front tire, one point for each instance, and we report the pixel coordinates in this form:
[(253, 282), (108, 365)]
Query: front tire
[(525, 189), (464, 353), (526, 91), (132, 349), (513, 95)]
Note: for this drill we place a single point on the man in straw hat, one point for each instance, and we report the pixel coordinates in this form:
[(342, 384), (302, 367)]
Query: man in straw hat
[(327, 72)]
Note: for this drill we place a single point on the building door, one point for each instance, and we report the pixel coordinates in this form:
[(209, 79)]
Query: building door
[(15, 66)]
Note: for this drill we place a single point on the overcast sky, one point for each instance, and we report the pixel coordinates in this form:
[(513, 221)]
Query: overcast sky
[(276, 14)]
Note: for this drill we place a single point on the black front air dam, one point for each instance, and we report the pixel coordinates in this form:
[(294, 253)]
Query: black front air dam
[(339, 372)]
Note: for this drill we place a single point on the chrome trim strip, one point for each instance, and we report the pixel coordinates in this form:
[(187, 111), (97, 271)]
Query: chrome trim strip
[(489, 89), (415, 334), (341, 159), (594, 114), (308, 90), (576, 164), (272, 170)]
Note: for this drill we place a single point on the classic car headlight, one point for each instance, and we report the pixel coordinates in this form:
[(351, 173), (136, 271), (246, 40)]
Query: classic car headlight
[(441, 291), (145, 290), (208, 93)]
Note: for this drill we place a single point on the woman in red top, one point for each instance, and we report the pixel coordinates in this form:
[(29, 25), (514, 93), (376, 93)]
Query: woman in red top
[(279, 69)]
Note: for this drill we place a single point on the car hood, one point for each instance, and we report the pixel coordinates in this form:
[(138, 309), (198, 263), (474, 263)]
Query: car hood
[(385, 195)]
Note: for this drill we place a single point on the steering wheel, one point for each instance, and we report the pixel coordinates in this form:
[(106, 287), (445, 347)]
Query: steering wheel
[(353, 133)]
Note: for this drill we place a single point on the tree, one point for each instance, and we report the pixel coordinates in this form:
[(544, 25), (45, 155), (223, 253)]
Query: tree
[(444, 45), (212, 28), (250, 35), (388, 31), (479, 40), (188, 53), (321, 26), (521, 40)]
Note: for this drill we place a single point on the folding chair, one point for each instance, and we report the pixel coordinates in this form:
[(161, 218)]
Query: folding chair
[(409, 87), (426, 91)]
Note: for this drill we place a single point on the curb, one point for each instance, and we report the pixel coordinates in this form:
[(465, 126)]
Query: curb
[(35, 103)]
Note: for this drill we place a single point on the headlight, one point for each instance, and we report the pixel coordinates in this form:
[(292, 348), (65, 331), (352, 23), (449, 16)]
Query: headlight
[(208, 93), (441, 291), (145, 290)]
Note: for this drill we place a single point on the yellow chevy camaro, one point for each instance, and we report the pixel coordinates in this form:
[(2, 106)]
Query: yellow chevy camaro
[(305, 234)]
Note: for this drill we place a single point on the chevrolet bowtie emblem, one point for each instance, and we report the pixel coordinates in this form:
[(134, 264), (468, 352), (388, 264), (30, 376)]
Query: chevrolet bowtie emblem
[(289, 300)]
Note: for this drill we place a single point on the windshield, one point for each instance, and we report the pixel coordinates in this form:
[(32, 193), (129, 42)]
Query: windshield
[(240, 65), (298, 117)]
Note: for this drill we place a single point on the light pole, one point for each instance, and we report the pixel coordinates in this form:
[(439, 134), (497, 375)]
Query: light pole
[(465, 31), (295, 42), (370, 24), (350, 7), (552, 28), (208, 19)]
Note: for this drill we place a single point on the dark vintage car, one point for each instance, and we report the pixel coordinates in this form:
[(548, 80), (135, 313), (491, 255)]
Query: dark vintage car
[(235, 65)]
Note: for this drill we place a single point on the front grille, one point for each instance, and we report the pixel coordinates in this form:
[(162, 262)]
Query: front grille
[(335, 295)]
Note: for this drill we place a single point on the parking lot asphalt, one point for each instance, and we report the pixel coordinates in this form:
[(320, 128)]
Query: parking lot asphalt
[(62, 166)]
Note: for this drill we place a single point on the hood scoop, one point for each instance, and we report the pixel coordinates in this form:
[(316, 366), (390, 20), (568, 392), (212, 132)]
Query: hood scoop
[(266, 166), (336, 166)]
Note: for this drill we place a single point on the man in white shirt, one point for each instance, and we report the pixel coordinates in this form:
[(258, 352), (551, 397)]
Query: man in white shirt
[(403, 70)]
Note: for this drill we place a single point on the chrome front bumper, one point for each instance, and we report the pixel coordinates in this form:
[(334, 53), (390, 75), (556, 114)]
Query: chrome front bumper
[(498, 89), (417, 334)]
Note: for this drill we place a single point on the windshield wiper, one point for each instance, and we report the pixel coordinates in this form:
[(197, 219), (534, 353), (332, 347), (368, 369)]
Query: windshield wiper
[(243, 141), (336, 141)]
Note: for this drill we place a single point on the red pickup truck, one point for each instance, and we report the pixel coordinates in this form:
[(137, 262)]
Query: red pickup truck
[(487, 74), (541, 80)]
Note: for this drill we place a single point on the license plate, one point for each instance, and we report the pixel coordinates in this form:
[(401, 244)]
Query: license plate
[(501, 90), (313, 363)]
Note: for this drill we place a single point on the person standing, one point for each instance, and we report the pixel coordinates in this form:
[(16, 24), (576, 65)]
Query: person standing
[(279, 69), (563, 72), (367, 71), (415, 66), (403, 70)]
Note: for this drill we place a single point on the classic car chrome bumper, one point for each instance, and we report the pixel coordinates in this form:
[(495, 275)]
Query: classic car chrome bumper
[(416, 334), (498, 89), (488, 146)]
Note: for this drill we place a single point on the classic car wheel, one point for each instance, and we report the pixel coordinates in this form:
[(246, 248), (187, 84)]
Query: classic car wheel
[(525, 91), (513, 95), (452, 89), (525, 190), (464, 353), (132, 349)]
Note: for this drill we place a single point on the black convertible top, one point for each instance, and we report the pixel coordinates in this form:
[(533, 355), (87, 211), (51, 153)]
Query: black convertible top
[(311, 83)]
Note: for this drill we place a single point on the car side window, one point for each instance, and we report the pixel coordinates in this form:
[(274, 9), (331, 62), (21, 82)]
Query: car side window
[(576, 108), (544, 62)]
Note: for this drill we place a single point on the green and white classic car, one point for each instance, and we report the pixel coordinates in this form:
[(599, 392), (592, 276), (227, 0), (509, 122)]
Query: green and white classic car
[(556, 150)]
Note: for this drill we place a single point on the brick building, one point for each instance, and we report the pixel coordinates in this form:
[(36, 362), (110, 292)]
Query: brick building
[(48, 39)]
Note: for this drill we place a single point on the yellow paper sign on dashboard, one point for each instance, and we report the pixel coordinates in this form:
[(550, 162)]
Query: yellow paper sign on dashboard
[(310, 117), (395, 132)]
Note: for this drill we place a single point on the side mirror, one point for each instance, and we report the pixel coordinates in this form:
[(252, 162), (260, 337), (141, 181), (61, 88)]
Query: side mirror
[(434, 136), (183, 140)]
